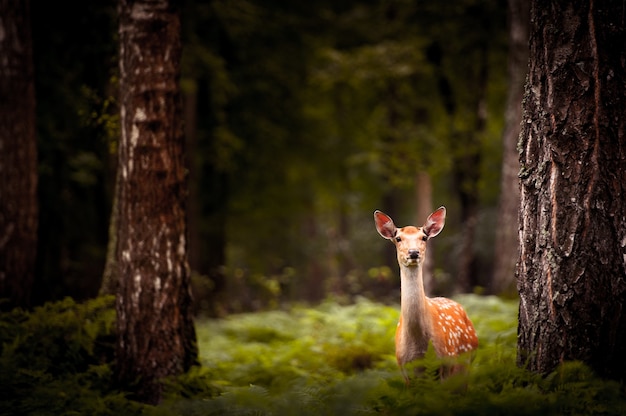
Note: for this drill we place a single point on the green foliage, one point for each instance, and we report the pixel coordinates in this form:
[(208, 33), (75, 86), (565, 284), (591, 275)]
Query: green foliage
[(326, 360), (338, 360), (55, 360)]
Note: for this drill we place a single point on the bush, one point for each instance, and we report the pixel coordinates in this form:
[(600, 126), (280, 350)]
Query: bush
[(56, 360)]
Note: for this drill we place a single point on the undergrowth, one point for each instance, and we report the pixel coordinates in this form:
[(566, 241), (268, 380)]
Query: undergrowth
[(326, 360)]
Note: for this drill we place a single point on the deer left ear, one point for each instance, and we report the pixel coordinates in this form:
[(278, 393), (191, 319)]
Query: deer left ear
[(435, 222), (384, 224)]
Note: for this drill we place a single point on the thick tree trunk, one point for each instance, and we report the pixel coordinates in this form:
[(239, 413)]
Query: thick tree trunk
[(156, 337), (18, 155), (572, 268), (507, 241)]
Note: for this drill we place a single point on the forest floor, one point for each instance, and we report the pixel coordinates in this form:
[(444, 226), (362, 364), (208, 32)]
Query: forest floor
[(326, 360)]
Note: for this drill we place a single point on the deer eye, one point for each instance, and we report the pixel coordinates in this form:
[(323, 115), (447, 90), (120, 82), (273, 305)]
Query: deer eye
[(398, 239), (425, 238)]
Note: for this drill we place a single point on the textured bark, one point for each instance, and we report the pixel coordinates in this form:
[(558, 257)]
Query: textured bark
[(156, 337), (507, 239), (18, 155), (572, 268)]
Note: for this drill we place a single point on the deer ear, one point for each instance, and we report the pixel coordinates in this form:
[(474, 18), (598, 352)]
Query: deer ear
[(384, 225), (435, 222)]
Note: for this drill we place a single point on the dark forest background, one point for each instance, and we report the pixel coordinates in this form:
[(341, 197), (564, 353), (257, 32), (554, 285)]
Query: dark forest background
[(301, 118)]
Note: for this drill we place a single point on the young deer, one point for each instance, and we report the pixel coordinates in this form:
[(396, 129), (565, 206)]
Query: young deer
[(423, 319)]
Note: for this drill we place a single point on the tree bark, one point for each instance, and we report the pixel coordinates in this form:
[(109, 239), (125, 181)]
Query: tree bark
[(18, 156), (156, 336), (572, 267), (507, 241)]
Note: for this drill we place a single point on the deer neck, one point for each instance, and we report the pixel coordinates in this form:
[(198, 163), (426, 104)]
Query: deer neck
[(416, 323)]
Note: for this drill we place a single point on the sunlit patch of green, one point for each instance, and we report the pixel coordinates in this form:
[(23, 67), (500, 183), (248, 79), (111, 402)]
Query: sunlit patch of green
[(338, 360)]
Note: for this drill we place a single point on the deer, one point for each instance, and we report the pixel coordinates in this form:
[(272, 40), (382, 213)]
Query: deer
[(439, 320)]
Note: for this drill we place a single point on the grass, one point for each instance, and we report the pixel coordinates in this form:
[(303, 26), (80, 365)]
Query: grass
[(325, 360)]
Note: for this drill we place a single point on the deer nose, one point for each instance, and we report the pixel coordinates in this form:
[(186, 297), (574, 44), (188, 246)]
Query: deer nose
[(414, 254)]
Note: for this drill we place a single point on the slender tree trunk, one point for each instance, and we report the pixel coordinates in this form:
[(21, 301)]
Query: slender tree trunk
[(467, 176), (110, 278), (572, 268), (507, 242), (156, 336), (316, 275), (424, 203), (190, 109), (390, 206), (208, 199), (18, 155)]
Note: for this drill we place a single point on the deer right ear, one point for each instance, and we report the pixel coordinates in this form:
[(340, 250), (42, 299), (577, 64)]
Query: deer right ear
[(435, 222), (384, 225)]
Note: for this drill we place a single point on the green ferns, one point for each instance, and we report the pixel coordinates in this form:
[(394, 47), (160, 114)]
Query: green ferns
[(327, 360), (56, 360)]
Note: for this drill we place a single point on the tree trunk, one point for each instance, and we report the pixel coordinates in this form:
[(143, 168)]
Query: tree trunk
[(110, 278), (572, 268), (18, 155), (467, 176), (156, 337), (507, 242), (424, 204), (190, 109), (208, 199)]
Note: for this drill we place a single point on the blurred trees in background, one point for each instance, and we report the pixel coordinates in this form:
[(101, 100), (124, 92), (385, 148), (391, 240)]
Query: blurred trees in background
[(507, 230), (18, 156), (300, 120), (75, 59)]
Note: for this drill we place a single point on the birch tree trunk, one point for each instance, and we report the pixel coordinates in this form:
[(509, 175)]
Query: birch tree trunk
[(572, 268), (18, 155), (156, 336)]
